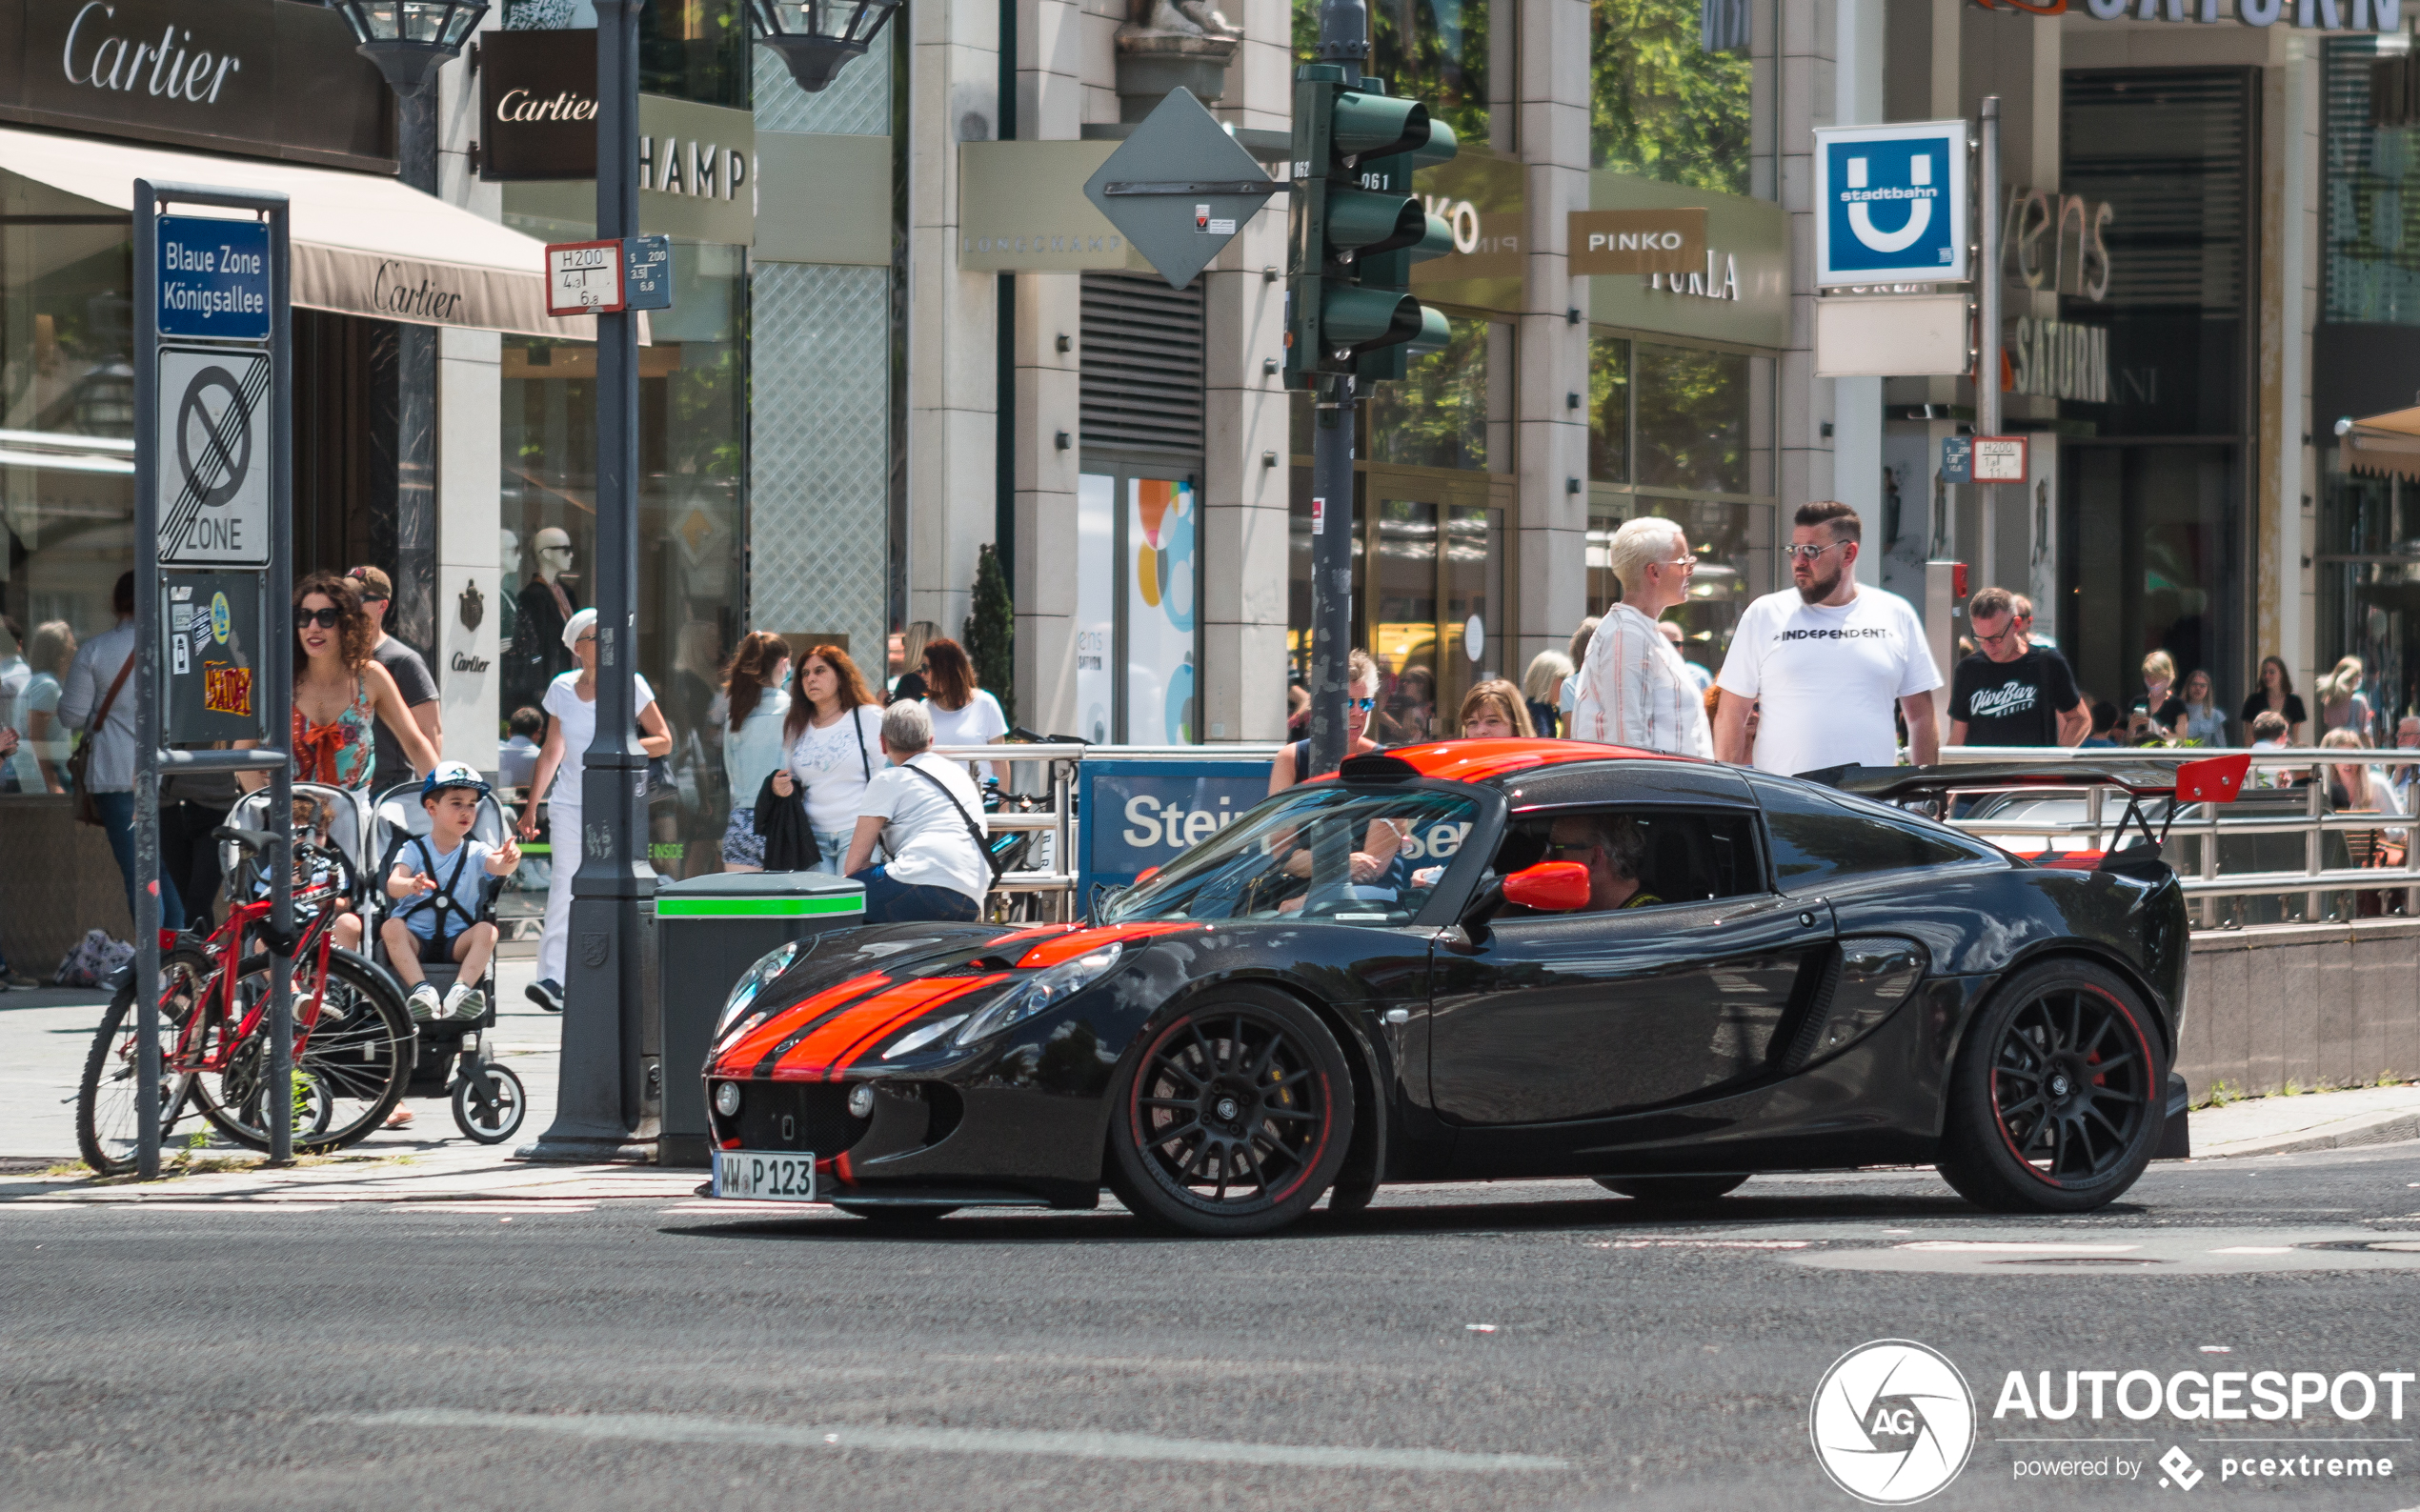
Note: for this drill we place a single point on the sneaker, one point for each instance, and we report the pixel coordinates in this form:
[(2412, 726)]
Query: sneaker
[(466, 1004), (424, 1004), (547, 994)]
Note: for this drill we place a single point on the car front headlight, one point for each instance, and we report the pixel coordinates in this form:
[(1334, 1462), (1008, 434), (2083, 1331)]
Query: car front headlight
[(1038, 992), (743, 993)]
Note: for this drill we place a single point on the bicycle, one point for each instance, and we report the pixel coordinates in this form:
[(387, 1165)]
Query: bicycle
[(354, 1044)]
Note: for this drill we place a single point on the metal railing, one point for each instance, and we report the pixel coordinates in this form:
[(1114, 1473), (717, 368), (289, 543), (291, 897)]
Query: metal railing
[(2212, 824)]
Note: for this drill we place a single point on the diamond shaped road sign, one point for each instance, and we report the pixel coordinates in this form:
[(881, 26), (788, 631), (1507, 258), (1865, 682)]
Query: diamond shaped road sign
[(1180, 188)]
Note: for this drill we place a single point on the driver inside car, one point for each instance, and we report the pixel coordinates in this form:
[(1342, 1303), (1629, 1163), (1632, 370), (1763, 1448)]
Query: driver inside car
[(1615, 854)]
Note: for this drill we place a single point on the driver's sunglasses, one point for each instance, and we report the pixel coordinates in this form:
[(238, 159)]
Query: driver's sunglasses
[(1565, 849), (1808, 554), (324, 619)]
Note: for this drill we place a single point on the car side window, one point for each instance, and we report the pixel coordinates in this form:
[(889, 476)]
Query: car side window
[(1818, 836), (1640, 857)]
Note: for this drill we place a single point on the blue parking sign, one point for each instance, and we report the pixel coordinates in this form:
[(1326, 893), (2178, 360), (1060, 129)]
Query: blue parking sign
[(214, 278), (1890, 204)]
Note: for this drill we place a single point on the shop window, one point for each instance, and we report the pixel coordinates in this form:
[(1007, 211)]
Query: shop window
[(691, 528), (67, 482), (1455, 56), (689, 49), (1453, 408), (1608, 410), (2368, 577), (2148, 563), (2371, 150), (1692, 419), (1670, 87)]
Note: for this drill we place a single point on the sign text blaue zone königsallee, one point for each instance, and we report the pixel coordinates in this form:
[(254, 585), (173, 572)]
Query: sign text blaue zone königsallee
[(214, 278)]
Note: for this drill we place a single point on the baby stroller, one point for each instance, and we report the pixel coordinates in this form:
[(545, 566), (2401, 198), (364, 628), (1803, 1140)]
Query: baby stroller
[(456, 1061)]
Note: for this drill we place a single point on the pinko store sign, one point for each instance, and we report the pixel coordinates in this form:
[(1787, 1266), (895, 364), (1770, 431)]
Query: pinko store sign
[(2317, 15)]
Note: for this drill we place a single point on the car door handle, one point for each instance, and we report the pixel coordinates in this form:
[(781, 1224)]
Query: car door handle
[(1396, 1017)]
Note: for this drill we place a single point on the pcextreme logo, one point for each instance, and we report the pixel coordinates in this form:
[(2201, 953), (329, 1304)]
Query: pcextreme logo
[(1892, 1421)]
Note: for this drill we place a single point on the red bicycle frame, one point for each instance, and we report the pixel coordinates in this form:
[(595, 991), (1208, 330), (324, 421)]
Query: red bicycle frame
[(194, 1053)]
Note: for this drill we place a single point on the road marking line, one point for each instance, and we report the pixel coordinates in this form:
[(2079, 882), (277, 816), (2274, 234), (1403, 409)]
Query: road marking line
[(1956, 1246), (667, 1428), (2252, 1249)]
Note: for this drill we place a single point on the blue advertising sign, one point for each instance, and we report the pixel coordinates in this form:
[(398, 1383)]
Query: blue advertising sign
[(1890, 203), (1141, 814), (1957, 460), (214, 278)]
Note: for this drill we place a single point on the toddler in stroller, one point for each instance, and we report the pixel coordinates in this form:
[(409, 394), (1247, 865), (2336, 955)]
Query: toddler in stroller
[(439, 890)]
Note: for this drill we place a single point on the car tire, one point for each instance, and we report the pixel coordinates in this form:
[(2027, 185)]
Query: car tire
[(2057, 1099), (886, 1215), (1672, 1191), (1230, 1117)]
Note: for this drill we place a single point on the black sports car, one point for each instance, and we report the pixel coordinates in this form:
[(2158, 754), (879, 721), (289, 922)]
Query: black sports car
[(1493, 959)]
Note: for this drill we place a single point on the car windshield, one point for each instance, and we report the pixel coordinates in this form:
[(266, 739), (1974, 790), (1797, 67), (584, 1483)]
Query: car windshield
[(1352, 855)]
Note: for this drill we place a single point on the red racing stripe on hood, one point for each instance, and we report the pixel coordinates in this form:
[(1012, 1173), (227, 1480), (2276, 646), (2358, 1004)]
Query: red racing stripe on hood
[(865, 1046), (816, 1055), (1084, 941), (737, 1060)]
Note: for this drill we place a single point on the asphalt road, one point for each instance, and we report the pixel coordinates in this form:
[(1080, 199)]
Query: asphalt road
[(1531, 1346)]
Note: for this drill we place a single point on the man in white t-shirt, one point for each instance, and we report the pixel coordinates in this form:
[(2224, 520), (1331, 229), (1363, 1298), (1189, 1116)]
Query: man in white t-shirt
[(929, 818), (1826, 659)]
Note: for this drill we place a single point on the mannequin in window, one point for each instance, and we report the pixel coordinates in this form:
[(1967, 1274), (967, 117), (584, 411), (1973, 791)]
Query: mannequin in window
[(547, 602)]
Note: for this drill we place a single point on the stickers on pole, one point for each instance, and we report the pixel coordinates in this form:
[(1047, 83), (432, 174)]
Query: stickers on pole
[(1890, 204), (214, 457), (584, 277), (210, 633)]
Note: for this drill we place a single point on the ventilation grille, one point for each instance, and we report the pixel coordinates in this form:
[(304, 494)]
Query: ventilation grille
[(1141, 372), (2168, 150)]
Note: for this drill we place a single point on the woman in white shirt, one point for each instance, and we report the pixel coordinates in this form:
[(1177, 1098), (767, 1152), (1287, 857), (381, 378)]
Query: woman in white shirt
[(572, 701), (754, 705), (834, 735), (962, 712)]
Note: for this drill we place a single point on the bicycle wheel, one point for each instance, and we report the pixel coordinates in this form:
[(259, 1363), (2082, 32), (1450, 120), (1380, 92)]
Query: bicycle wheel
[(108, 1107), (349, 1075)]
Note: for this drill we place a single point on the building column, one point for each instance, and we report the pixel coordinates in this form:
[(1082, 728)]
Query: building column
[(2285, 587), (952, 352), (1552, 448), (1246, 502)]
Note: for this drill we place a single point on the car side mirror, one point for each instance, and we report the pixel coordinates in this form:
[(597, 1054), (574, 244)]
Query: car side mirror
[(1550, 887)]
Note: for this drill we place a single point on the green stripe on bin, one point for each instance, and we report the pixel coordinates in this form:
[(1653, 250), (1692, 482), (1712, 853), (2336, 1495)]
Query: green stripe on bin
[(755, 907)]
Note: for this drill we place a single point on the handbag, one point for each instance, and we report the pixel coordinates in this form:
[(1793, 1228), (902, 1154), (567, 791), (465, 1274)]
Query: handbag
[(80, 759)]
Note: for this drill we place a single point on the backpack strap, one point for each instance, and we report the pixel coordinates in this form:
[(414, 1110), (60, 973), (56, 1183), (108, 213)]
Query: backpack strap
[(974, 831)]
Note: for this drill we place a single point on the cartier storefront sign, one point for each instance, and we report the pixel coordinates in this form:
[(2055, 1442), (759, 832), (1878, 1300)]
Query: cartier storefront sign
[(537, 105), (263, 78)]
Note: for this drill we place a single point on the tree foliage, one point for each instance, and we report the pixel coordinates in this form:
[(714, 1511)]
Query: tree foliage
[(1664, 108), (990, 636)]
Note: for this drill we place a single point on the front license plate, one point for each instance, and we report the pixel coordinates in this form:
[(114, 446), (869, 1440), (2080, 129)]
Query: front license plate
[(763, 1176)]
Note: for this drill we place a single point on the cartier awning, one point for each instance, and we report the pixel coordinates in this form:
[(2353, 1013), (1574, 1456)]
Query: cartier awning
[(364, 245)]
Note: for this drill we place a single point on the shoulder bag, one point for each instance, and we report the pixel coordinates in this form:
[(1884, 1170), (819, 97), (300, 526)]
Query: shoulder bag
[(80, 759), (974, 831)]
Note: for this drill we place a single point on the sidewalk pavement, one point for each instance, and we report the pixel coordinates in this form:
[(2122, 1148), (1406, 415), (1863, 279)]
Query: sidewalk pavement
[(2310, 1120)]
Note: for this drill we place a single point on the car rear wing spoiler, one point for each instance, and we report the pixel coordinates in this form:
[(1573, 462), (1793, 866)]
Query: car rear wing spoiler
[(2212, 779)]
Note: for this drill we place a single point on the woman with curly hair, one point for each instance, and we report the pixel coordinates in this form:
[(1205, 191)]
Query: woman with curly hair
[(341, 693)]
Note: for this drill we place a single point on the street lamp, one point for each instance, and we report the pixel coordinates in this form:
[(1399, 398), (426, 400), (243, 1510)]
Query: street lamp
[(815, 37), (409, 40), (600, 1109)]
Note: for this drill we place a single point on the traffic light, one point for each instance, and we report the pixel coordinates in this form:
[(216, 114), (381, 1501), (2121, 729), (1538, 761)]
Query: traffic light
[(1356, 228)]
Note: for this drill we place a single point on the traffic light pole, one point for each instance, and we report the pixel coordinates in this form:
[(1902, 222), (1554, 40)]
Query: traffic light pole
[(1344, 37)]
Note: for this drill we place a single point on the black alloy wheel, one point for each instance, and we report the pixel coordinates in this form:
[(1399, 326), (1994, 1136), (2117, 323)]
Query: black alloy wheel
[(1672, 1191), (2054, 1105), (1231, 1116)]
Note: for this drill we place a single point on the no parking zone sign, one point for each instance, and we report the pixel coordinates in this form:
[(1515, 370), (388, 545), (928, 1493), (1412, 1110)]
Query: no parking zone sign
[(1890, 204), (214, 457)]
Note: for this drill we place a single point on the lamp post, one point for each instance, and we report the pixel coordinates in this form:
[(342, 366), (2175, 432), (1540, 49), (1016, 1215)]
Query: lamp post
[(410, 40), (603, 1092)]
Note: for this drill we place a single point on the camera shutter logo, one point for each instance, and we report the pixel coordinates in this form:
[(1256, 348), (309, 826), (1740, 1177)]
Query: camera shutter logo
[(1893, 1423)]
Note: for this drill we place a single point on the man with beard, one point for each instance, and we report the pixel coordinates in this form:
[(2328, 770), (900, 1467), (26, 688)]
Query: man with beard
[(1826, 658), (2010, 692)]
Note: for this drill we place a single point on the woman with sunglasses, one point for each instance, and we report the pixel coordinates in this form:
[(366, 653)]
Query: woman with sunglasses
[(341, 693), (1293, 764)]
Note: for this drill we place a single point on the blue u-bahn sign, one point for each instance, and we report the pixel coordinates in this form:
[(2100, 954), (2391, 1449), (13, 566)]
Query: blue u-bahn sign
[(1890, 203)]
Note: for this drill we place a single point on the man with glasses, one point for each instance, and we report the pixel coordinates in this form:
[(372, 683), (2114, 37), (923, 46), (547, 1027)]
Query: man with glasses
[(2010, 693), (1634, 690), (411, 678), (1615, 854), (1827, 658)]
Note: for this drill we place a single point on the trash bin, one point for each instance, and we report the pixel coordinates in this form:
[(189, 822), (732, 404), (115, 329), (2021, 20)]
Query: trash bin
[(709, 931)]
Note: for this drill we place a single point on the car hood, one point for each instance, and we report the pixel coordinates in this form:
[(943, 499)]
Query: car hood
[(857, 990)]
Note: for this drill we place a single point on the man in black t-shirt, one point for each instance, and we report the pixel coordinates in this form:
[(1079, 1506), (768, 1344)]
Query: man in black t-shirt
[(2007, 693), (411, 677)]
